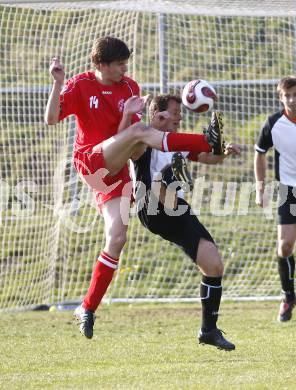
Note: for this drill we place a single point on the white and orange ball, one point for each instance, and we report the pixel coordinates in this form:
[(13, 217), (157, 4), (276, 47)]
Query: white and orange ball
[(199, 95)]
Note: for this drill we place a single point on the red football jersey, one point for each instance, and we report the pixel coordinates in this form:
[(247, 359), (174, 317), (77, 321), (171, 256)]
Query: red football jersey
[(97, 107)]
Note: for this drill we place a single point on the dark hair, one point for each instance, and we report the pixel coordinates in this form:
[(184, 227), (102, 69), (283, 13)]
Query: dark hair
[(286, 83), (109, 49), (161, 102)]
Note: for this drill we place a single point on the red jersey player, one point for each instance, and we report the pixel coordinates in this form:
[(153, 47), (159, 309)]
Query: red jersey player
[(105, 102)]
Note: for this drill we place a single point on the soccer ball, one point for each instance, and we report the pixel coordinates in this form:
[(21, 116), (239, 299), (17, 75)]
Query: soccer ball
[(198, 96)]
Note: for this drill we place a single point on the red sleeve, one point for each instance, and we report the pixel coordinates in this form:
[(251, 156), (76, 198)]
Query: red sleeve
[(68, 99), (193, 156)]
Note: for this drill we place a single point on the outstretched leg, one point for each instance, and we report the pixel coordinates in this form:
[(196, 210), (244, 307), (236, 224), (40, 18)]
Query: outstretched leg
[(119, 148)]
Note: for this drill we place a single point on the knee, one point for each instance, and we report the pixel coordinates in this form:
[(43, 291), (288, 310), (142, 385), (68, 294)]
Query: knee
[(285, 248), (216, 268), (116, 241), (208, 259), (138, 132), (213, 267)]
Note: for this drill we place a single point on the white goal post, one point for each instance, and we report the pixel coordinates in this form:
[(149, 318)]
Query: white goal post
[(50, 230)]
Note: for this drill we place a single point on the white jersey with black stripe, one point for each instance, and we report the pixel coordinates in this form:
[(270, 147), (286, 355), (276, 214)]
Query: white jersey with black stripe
[(280, 132), (160, 160), (148, 167)]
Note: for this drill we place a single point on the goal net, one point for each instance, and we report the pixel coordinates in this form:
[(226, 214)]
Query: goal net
[(50, 230)]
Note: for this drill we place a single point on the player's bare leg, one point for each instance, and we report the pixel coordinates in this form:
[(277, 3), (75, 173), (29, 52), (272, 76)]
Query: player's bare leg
[(115, 232), (119, 148), (208, 259), (286, 268), (115, 229), (286, 239), (210, 264)]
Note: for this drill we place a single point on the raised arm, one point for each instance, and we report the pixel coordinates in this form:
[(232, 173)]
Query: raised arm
[(132, 106), (53, 104), (260, 170)]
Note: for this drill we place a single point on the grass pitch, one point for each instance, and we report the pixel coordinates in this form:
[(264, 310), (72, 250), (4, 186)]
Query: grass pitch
[(149, 346)]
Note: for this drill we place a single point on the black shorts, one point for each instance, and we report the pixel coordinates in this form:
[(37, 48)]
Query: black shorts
[(184, 230), (287, 205)]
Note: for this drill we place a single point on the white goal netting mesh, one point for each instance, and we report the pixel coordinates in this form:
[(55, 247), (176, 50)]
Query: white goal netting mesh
[(50, 230)]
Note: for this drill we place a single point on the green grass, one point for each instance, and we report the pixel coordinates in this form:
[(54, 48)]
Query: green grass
[(148, 347)]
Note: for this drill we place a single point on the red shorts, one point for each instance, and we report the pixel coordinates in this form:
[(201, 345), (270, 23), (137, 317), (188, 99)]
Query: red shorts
[(92, 169)]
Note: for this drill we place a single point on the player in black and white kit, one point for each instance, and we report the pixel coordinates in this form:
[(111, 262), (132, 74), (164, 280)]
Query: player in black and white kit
[(163, 211), (279, 131)]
